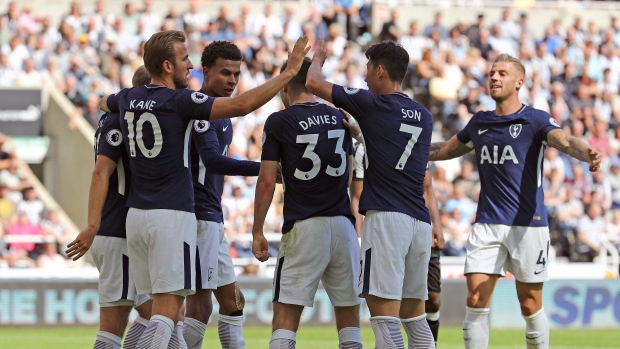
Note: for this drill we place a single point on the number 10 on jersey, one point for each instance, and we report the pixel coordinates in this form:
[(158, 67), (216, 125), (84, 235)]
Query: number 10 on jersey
[(137, 136)]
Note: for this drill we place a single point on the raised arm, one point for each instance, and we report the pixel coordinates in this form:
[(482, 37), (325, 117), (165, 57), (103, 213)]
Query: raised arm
[(104, 167), (574, 147), (264, 195), (453, 148), (253, 99), (315, 83), (103, 104)]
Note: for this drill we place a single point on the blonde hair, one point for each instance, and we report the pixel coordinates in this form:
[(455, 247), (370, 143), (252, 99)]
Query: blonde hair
[(510, 59)]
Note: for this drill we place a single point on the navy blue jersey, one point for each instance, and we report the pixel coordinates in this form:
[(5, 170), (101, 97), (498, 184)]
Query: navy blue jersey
[(397, 136), (210, 162), (312, 144), (510, 151), (109, 142), (156, 125)]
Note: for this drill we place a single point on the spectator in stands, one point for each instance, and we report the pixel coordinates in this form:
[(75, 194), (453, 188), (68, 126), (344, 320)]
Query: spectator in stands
[(31, 205), (14, 179), (460, 201), (456, 229), (23, 227), (443, 32), (589, 228), (52, 227), (390, 31), (7, 206), (50, 259)]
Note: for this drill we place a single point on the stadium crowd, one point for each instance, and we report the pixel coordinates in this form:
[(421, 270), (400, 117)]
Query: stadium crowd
[(571, 72)]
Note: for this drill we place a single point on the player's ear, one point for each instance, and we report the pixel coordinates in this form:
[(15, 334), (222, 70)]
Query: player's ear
[(167, 66), (520, 83), (205, 71)]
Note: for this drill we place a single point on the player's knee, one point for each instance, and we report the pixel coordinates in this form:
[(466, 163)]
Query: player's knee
[(473, 299), (432, 303), (529, 307)]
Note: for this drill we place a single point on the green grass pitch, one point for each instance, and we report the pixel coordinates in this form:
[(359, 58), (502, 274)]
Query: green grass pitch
[(308, 338)]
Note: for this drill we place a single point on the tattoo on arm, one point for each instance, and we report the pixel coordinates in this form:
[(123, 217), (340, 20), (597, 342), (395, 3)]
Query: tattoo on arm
[(568, 144)]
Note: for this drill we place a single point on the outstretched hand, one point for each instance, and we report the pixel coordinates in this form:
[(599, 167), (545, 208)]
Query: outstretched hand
[(595, 159), (320, 54), (297, 56), (77, 248)]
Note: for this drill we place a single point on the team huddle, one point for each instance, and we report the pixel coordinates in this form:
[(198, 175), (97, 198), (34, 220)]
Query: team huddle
[(155, 222)]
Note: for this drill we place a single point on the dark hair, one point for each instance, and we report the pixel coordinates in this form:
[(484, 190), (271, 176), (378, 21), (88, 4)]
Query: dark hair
[(141, 77), (298, 83), (393, 57), (219, 49), (160, 48)]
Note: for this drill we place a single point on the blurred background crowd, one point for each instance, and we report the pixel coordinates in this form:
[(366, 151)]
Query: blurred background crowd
[(572, 72)]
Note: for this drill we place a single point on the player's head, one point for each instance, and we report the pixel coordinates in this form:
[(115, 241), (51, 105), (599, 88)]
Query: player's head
[(297, 85), (386, 60), (141, 77), (221, 66), (165, 55), (506, 77)]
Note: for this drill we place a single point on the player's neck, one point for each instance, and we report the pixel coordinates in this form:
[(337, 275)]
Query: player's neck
[(508, 107), (301, 98), (163, 82), (390, 87), (208, 91)]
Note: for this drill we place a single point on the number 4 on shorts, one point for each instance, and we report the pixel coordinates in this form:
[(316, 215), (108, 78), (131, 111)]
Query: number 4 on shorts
[(541, 259)]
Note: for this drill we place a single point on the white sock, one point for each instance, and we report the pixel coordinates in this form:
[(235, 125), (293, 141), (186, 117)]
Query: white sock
[(157, 334), (135, 332), (537, 330), (419, 335), (107, 340), (194, 333), (282, 339), (230, 331), (476, 328), (350, 338), (387, 332), (176, 339)]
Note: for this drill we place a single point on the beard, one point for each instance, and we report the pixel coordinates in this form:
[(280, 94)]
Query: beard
[(180, 82)]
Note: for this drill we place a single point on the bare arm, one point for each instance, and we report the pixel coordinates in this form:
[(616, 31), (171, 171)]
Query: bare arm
[(315, 83), (453, 148), (246, 102), (350, 164), (433, 210), (103, 104), (264, 195), (96, 199), (574, 147)]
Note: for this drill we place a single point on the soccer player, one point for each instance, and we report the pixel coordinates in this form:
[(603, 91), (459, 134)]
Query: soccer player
[(433, 302), (511, 230), (106, 235), (396, 236), (319, 241), (156, 124), (221, 64)]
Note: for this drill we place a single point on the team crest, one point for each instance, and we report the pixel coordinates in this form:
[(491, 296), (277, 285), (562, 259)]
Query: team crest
[(351, 90), (199, 98), (553, 122), (515, 130), (210, 274), (201, 126), (114, 138)]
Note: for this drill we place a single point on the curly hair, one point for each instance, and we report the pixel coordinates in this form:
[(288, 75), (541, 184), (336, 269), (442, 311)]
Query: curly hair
[(219, 49)]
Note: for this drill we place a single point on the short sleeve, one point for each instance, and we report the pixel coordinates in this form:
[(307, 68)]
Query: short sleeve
[(110, 140), (271, 143), (464, 135), (358, 102), (543, 123), (205, 136), (113, 100), (193, 105)]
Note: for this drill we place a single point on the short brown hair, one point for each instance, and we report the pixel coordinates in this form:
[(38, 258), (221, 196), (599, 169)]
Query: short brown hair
[(141, 77), (160, 48), (298, 83), (510, 59)]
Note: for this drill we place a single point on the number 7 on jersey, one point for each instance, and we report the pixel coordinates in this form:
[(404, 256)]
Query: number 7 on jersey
[(415, 133)]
